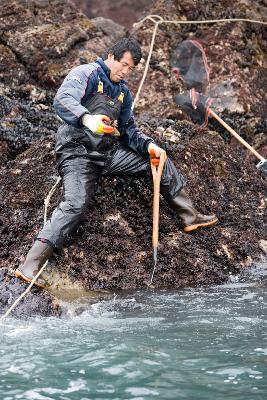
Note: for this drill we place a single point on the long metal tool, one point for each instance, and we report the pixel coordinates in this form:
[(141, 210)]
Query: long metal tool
[(199, 110), (190, 63), (262, 165), (156, 173)]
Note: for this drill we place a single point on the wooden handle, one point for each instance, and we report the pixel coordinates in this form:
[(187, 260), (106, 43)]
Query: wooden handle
[(239, 138), (156, 173)]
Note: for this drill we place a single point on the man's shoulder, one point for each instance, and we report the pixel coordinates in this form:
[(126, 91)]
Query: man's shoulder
[(82, 73), (86, 69)]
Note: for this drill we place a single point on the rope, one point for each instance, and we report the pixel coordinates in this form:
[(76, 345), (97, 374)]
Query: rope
[(24, 293), (48, 197), (160, 20), (147, 61), (46, 203), (205, 21)]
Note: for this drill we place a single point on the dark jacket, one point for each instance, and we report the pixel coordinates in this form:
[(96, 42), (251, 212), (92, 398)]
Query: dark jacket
[(80, 84)]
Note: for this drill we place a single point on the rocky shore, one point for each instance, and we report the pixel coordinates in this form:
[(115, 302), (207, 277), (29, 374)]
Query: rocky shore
[(40, 42)]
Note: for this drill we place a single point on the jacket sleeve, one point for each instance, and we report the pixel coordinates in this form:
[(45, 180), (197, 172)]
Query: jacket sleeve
[(131, 135), (68, 100)]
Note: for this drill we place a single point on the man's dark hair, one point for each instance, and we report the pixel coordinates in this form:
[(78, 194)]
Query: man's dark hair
[(124, 45)]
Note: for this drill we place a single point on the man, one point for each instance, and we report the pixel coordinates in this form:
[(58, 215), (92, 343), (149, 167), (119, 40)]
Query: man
[(99, 137)]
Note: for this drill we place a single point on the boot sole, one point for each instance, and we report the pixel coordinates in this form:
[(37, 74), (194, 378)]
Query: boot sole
[(19, 274), (191, 228)]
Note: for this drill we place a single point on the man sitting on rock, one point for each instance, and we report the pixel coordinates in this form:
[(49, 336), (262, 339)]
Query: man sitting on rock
[(99, 137)]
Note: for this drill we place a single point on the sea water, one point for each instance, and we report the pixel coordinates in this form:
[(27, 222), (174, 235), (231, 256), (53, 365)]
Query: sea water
[(203, 343)]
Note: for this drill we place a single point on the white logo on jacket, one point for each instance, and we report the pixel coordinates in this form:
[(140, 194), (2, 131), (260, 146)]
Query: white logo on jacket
[(74, 78)]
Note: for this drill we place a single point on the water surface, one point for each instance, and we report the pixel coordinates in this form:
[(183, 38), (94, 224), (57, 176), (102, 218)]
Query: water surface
[(204, 343)]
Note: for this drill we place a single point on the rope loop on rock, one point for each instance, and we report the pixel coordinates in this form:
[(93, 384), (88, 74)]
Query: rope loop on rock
[(157, 20), (46, 203)]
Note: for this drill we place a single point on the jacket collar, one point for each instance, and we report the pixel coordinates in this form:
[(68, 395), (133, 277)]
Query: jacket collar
[(102, 64), (105, 68)]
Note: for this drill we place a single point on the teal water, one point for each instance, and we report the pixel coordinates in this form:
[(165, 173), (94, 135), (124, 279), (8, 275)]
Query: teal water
[(204, 343)]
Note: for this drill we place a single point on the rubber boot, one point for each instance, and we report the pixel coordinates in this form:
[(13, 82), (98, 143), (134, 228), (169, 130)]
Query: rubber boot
[(35, 259), (191, 218)]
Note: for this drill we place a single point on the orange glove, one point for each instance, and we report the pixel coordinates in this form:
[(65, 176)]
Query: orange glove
[(154, 160), (154, 152), (98, 123)]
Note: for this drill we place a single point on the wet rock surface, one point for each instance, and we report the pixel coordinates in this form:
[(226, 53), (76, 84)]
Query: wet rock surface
[(112, 247), (36, 302)]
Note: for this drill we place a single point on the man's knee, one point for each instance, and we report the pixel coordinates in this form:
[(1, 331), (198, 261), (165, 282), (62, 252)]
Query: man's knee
[(75, 205)]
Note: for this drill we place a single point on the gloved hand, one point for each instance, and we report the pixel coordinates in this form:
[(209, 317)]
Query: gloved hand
[(97, 123), (154, 152)]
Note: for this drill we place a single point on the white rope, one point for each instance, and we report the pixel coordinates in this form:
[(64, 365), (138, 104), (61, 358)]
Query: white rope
[(23, 294), (48, 197), (147, 62), (160, 20), (205, 21), (46, 203)]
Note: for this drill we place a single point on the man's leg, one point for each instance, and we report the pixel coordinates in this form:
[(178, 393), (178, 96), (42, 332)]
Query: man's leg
[(125, 161), (79, 177), (172, 189)]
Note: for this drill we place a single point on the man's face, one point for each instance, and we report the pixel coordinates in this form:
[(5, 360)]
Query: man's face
[(120, 69)]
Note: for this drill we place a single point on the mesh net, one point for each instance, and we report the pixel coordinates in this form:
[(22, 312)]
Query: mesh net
[(189, 63), (196, 105)]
